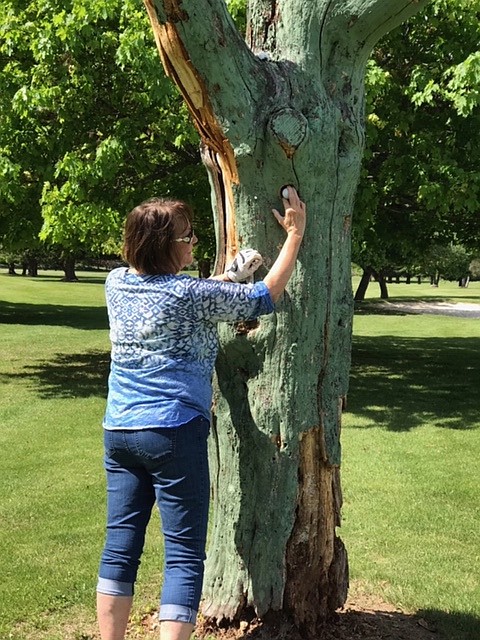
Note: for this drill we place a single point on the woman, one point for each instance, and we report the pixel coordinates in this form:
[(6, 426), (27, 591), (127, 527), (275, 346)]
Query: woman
[(164, 344)]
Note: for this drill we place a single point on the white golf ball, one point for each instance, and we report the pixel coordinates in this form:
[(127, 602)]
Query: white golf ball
[(285, 193)]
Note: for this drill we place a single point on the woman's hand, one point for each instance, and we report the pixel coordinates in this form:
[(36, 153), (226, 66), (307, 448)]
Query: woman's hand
[(294, 219), (294, 224), (244, 265)]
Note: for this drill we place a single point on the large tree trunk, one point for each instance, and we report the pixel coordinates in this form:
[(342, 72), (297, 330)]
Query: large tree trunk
[(292, 115), (69, 268), (363, 284), (30, 267), (382, 283)]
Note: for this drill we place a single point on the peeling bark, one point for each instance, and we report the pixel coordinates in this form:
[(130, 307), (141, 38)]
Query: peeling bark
[(219, 159), (313, 546)]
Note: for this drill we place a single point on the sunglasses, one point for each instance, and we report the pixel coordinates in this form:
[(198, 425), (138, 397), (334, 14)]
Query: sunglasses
[(187, 239)]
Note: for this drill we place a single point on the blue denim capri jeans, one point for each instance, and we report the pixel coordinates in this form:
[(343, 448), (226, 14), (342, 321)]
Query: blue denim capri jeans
[(169, 466)]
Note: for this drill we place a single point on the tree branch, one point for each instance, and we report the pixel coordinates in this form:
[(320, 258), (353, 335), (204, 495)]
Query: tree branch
[(286, 30), (357, 25), (381, 16), (203, 52)]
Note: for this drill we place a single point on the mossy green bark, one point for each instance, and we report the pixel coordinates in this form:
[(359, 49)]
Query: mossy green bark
[(286, 109)]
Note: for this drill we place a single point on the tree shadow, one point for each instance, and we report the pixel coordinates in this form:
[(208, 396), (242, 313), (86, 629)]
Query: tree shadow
[(355, 623), (453, 624), (83, 278), (77, 375), (53, 315), (402, 382)]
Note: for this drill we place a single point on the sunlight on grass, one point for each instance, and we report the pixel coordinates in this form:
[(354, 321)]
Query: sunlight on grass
[(411, 441), (55, 358), (410, 464)]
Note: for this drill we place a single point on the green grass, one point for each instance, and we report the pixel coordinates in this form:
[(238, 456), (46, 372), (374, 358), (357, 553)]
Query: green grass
[(411, 441), (53, 373)]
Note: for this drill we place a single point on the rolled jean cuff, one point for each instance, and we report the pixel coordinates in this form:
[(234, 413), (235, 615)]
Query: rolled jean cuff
[(177, 613), (114, 587)]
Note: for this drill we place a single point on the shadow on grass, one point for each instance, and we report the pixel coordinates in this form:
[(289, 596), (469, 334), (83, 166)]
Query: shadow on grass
[(53, 315), (77, 375), (402, 382), (452, 624), (83, 278)]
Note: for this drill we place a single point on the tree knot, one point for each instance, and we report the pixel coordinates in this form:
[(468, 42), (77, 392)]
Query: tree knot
[(289, 127)]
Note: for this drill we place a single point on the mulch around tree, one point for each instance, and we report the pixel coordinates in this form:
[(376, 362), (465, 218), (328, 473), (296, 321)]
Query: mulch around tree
[(363, 618)]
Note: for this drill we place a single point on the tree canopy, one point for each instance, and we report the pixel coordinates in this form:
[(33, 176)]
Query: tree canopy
[(420, 181), (88, 126)]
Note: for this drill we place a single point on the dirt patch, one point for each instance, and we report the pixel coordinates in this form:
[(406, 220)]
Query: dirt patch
[(457, 309), (364, 617)]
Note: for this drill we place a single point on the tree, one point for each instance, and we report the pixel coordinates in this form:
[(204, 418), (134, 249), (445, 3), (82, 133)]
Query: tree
[(451, 262), (88, 127), (284, 108), (420, 180)]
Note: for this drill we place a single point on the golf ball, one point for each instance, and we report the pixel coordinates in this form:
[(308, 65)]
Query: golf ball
[(285, 193)]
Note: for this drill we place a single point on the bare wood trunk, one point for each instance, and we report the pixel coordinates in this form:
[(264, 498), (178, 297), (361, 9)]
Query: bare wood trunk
[(313, 547)]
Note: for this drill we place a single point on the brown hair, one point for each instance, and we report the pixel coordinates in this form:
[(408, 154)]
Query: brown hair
[(150, 230)]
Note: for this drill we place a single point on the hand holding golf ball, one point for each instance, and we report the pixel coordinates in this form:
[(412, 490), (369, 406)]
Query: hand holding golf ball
[(293, 220)]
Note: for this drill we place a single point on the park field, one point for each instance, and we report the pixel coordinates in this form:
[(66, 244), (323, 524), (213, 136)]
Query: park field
[(411, 446)]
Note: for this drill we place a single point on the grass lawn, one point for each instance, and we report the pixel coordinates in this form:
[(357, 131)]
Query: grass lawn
[(411, 443), (53, 373)]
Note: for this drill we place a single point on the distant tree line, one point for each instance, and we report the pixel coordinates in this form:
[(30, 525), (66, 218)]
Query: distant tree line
[(418, 206), (89, 127)]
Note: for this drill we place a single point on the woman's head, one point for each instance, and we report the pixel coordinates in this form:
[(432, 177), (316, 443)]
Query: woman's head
[(152, 231)]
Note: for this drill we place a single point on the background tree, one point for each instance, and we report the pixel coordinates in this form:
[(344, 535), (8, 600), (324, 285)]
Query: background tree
[(285, 108), (420, 181), (474, 268), (88, 127), (451, 262)]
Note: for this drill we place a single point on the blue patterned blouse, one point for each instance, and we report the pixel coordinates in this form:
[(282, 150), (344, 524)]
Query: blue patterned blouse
[(164, 344)]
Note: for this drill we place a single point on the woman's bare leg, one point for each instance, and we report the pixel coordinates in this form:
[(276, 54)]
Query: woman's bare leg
[(173, 630), (112, 615)]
